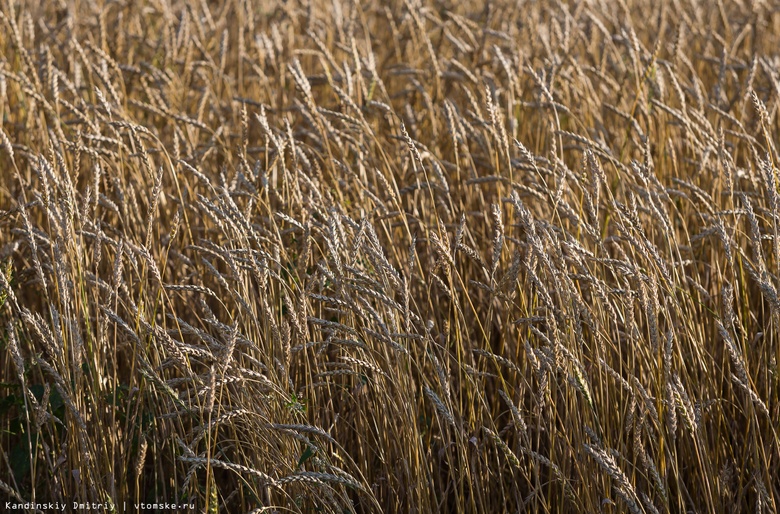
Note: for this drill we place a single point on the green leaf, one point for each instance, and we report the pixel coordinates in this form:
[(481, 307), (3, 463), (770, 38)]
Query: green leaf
[(8, 403), (307, 454), (19, 458)]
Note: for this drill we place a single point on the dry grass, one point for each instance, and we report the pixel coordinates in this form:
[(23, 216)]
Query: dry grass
[(335, 256)]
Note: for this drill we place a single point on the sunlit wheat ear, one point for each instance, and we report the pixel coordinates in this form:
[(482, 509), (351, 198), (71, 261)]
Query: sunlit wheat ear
[(7, 146), (516, 417), (139, 466), (498, 237), (608, 464)]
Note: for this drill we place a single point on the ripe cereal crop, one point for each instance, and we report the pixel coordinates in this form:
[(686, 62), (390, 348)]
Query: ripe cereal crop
[(390, 256)]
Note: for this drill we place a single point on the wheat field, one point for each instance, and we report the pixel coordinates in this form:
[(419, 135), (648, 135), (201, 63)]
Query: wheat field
[(409, 256)]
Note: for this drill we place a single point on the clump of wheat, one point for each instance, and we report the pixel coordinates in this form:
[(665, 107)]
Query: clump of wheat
[(337, 256)]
